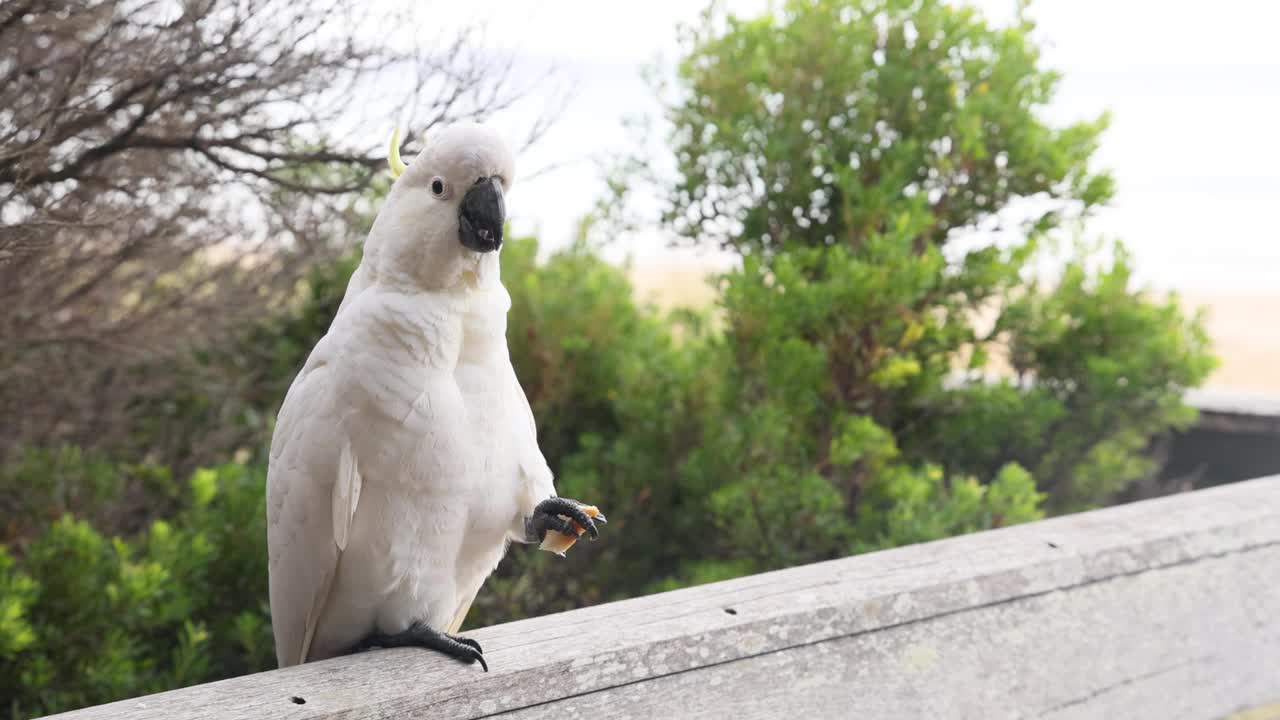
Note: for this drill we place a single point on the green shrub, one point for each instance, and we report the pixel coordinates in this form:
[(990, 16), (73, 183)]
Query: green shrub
[(843, 148), (41, 485), (87, 619), (823, 121)]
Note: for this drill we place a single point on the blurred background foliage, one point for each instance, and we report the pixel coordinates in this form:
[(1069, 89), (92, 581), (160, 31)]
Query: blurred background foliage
[(838, 398)]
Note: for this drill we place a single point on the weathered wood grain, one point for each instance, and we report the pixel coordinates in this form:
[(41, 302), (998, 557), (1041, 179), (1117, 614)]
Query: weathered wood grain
[(1164, 609)]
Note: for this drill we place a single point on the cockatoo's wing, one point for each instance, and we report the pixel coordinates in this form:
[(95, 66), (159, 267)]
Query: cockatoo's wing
[(313, 488)]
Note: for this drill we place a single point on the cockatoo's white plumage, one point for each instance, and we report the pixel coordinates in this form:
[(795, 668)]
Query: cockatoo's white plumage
[(405, 455)]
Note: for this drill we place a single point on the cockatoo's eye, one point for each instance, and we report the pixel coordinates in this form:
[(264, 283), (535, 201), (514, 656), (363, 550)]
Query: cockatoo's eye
[(438, 187)]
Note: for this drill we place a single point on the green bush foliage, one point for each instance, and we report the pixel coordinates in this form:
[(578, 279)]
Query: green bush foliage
[(825, 121), (87, 618), (834, 401)]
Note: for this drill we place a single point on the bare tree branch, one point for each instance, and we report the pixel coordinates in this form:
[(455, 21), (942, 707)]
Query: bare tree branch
[(167, 172)]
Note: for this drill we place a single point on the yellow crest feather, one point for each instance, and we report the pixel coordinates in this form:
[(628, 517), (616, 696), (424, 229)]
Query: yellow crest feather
[(393, 157)]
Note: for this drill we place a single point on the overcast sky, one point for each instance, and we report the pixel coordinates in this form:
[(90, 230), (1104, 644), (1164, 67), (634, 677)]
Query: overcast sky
[(1193, 87)]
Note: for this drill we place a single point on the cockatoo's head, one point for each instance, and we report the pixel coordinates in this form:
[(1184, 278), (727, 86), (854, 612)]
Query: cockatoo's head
[(441, 226)]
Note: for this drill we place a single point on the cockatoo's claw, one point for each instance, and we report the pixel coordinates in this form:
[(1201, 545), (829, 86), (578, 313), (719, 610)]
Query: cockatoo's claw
[(546, 516), (537, 525), (465, 641), (471, 655), (419, 635)]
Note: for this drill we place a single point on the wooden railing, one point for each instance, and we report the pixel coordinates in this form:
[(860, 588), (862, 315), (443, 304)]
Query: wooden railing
[(1168, 608)]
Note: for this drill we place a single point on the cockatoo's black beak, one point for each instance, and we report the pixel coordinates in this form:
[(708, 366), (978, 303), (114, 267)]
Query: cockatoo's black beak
[(481, 215)]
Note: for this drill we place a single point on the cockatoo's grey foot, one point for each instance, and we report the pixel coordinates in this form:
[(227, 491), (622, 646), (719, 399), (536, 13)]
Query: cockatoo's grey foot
[(546, 516), (419, 635)]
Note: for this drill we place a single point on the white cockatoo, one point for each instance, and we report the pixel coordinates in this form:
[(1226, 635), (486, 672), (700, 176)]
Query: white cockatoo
[(405, 456)]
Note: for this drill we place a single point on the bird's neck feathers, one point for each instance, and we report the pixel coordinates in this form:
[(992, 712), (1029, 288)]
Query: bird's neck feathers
[(455, 284), (427, 259), (451, 273)]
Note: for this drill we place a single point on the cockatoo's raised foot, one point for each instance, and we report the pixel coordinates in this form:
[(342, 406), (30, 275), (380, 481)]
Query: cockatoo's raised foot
[(419, 635), (569, 519)]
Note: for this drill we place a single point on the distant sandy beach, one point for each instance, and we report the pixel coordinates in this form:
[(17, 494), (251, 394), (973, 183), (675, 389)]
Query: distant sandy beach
[(1246, 334)]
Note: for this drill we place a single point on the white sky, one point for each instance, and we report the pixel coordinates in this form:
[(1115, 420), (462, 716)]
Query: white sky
[(1193, 88)]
